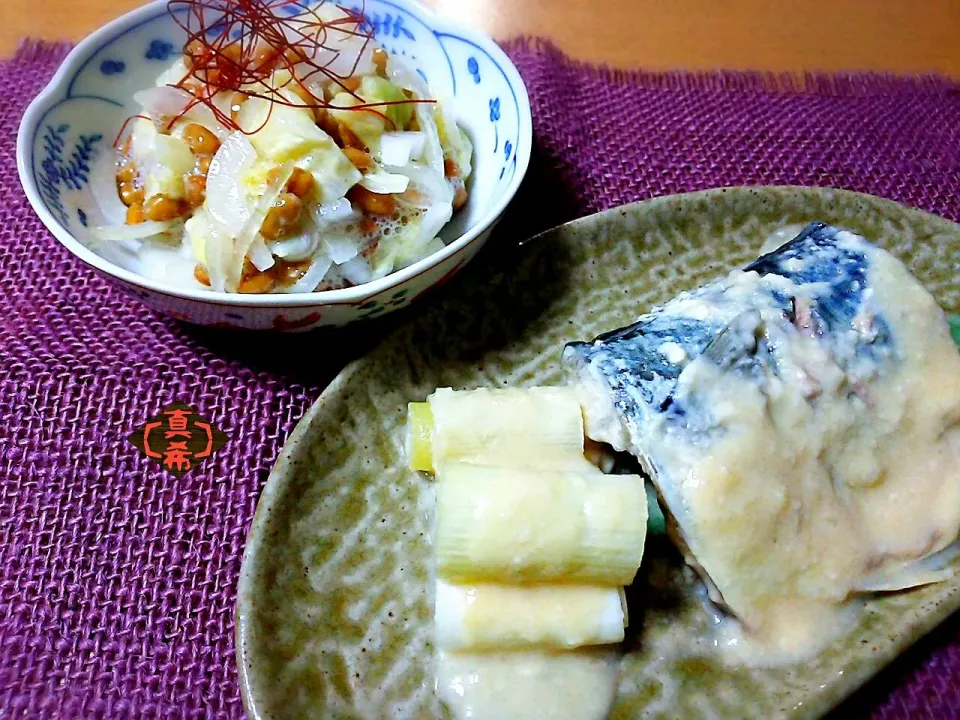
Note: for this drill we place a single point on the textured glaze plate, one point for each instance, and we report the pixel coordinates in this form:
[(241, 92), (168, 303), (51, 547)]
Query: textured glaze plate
[(334, 607)]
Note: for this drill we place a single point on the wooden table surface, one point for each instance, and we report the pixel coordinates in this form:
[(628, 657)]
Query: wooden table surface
[(898, 35)]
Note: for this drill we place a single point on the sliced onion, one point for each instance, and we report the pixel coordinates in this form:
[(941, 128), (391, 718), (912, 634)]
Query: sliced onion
[(313, 276), (396, 148), (330, 221), (133, 232), (226, 199), (103, 186), (166, 102), (357, 271), (224, 102), (345, 58), (196, 233), (384, 183), (340, 211), (295, 248), (428, 181), (345, 52), (266, 201), (260, 254), (419, 143), (433, 150), (218, 251), (341, 247), (314, 87), (243, 240), (163, 102), (203, 115)]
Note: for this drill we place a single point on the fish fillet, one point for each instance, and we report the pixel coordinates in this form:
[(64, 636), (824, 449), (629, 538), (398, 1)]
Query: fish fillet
[(799, 419)]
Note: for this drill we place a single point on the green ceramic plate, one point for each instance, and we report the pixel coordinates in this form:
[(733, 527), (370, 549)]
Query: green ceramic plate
[(333, 610)]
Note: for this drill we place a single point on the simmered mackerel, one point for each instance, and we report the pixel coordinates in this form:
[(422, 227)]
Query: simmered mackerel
[(800, 421)]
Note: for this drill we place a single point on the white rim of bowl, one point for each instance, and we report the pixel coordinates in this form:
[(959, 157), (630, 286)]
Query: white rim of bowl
[(93, 42)]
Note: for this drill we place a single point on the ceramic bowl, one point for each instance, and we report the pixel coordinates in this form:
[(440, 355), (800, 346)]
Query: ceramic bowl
[(79, 113)]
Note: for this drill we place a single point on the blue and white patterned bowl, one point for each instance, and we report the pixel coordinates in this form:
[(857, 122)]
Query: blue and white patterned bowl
[(80, 112)]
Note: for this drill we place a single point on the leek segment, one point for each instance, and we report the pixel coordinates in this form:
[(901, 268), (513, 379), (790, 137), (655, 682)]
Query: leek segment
[(503, 617), (536, 427), (420, 422), (498, 524)]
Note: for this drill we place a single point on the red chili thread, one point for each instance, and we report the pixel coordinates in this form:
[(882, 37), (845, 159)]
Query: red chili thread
[(233, 44)]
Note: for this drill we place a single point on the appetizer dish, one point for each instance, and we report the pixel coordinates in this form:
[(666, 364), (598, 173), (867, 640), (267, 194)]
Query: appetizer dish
[(282, 153), (740, 502), (801, 422)]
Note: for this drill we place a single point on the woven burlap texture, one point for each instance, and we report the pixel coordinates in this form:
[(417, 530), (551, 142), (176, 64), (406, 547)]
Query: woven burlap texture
[(117, 580)]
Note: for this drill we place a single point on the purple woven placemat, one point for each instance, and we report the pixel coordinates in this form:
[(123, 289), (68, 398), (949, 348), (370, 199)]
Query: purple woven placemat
[(117, 581)]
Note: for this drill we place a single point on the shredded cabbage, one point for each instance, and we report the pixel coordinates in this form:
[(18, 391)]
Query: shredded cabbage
[(406, 77), (455, 142), (338, 240)]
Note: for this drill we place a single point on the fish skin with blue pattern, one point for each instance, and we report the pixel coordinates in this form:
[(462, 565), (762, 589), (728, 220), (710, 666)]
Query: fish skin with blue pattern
[(815, 283)]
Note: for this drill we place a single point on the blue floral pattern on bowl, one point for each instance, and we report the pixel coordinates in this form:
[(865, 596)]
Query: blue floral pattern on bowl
[(61, 169), (112, 67), (473, 67), (161, 50)]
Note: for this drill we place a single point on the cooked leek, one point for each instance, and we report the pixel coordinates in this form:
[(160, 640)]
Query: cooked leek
[(500, 617), (420, 451), (536, 427), (518, 525)]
